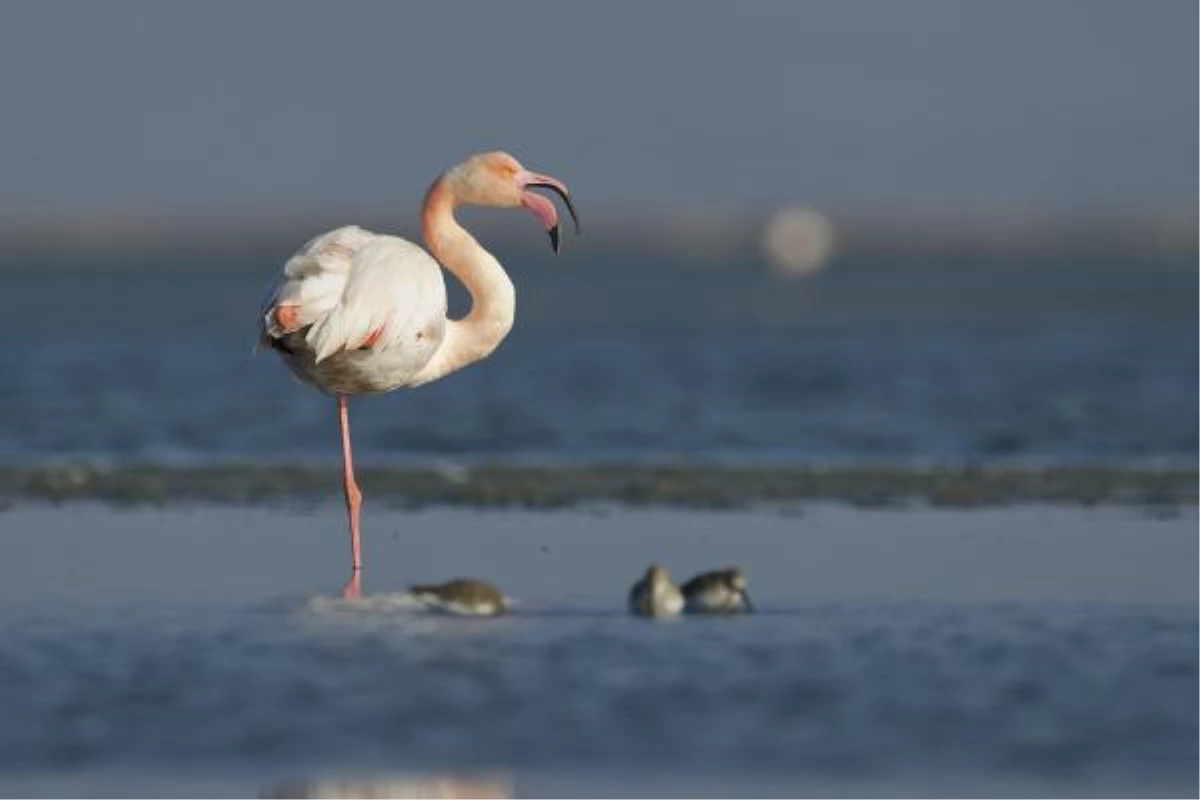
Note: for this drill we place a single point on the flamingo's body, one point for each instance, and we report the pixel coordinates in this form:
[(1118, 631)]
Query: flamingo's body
[(355, 312), (370, 312)]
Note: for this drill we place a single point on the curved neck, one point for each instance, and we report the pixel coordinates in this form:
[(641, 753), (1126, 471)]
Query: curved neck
[(493, 298)]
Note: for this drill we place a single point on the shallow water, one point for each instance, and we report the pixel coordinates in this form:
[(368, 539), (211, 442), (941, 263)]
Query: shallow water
[(1019, 651), (882, 360), (187, 648)]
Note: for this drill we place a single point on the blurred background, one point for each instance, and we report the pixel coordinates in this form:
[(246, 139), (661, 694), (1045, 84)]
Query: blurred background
[(814, 232)]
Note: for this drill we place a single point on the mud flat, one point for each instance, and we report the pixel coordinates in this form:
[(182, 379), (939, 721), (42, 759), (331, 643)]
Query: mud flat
[(1163, 489)]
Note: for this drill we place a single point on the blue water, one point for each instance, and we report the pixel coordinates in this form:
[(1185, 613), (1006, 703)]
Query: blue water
[(1081, 696), (982, 653), (197, 649), (615, 358)]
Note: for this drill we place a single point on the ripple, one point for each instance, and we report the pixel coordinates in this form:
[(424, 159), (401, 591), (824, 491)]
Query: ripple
[(1086, 692)]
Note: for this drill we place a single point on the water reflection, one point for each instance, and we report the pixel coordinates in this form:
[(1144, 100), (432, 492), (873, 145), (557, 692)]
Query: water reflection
[(400, 785)]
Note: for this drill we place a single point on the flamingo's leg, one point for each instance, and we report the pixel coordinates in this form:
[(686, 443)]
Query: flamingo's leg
[(353, 588), (353, 495)]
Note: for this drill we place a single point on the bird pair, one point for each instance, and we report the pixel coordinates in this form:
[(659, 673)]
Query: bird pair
[(721, 591)]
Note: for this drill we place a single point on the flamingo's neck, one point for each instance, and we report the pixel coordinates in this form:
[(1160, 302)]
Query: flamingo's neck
[(493, 299)]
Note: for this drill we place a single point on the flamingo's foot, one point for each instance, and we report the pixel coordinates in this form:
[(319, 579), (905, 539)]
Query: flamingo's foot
[(352, 591)]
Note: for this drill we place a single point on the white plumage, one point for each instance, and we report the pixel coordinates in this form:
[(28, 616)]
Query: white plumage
[(655, 594), (349, 287)]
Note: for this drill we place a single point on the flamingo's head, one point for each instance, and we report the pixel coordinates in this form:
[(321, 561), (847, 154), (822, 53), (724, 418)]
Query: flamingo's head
[(498, 179)]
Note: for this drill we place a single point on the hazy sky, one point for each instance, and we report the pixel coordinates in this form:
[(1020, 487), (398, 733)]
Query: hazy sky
[(232, 107)]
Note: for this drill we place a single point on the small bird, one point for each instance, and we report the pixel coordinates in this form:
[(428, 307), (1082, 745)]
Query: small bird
[(355, 312), (655, 595), (721, 591), (463, 596)]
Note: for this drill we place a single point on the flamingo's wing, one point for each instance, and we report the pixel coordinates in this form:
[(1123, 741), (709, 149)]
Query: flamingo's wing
[(354, 289), (312, 281), (394, 289)]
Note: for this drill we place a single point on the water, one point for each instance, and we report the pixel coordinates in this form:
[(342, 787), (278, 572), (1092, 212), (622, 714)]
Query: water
[(198, 646), (822, 691), (894, 652), (950, 359)]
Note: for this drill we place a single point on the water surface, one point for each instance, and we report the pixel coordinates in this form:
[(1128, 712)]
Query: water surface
[(1025, 650), (613, 357)]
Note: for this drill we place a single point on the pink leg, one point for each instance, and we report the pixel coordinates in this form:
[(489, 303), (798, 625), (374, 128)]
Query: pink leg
[(353, 495), (353, 588)]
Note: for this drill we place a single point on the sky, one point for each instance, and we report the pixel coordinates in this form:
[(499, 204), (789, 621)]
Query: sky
[(273, 107)]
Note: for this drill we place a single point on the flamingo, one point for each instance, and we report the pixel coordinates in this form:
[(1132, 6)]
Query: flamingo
[(355, 312)]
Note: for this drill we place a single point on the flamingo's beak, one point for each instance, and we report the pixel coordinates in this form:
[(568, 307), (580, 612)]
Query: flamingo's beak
[(542, 208)]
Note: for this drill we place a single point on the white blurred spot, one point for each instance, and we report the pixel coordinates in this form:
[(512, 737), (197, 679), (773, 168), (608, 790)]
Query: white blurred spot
[(798, 241), (425, 786), (452, 471)]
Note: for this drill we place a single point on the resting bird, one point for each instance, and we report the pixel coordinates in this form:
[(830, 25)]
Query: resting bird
[(463, 596), (719, 592), (654, 595)]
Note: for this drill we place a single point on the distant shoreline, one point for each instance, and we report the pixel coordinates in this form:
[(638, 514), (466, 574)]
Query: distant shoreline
[(700, 234)]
